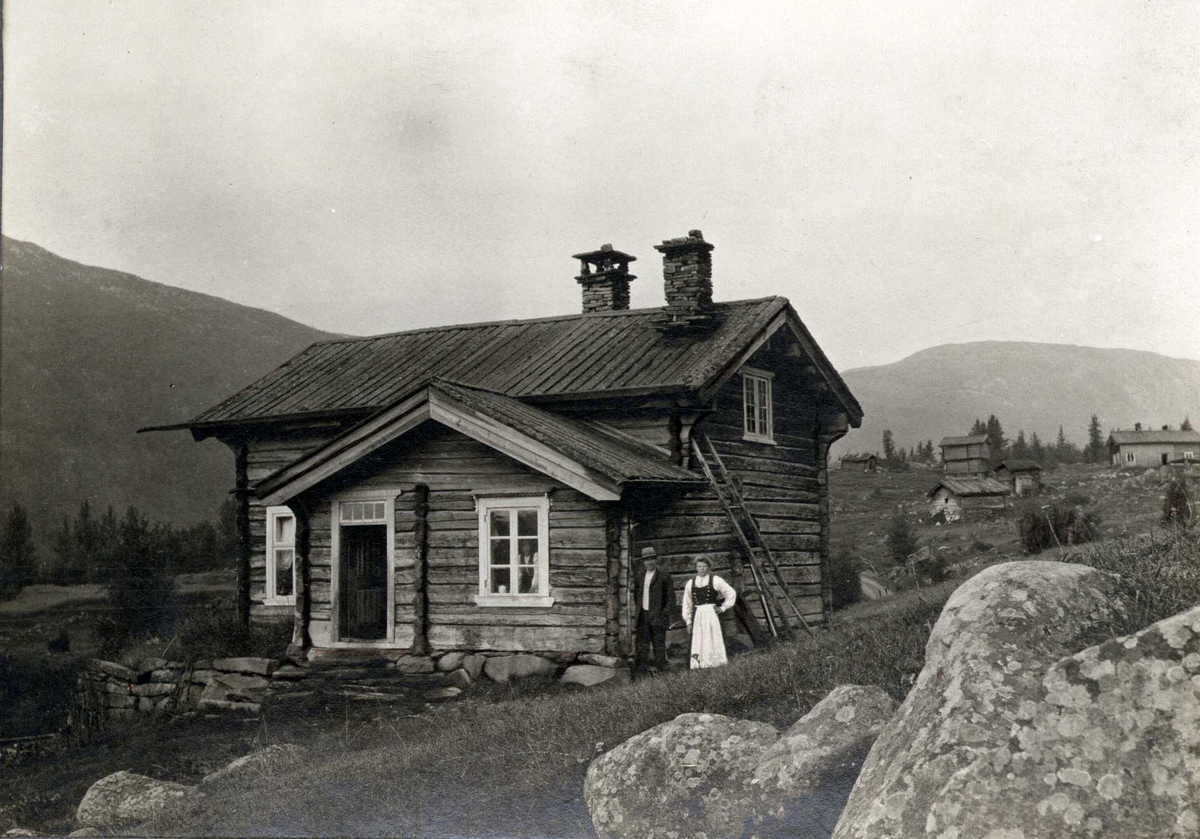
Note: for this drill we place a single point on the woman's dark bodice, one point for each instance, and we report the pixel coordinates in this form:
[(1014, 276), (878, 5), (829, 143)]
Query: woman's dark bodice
[(703, 595)]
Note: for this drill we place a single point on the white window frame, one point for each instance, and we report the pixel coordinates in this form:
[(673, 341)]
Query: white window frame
[(1130, 457), (760, 384), (269, 596), (388, 496), (485, 507), (1189, 455)]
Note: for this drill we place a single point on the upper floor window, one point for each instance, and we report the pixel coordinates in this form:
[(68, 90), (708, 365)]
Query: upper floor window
[(757, 409), (514, 552), (281, 555)]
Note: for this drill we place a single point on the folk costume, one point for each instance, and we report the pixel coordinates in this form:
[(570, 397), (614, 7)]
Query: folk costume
[(703, 599), (655, 594)]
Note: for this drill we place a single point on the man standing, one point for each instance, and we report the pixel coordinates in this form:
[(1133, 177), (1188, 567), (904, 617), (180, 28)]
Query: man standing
[(655, 595)]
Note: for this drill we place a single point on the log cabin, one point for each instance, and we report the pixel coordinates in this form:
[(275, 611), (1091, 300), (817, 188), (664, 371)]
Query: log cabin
[(487, 487), (967, 456)]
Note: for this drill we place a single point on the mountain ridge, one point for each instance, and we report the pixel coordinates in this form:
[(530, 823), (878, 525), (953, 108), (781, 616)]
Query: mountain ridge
[(1034, 386), (88, 355)]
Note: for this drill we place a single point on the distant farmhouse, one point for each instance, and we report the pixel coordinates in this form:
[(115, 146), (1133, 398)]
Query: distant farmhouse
[(964, 498), (1023, 477), (970, 455), (489, 487), (1153, 448), (860, 462)]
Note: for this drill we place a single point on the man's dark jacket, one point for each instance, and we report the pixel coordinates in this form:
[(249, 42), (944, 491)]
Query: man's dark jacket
[(662, 598)]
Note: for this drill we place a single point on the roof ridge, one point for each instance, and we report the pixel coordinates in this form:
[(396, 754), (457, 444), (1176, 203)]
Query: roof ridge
[(513, 321)]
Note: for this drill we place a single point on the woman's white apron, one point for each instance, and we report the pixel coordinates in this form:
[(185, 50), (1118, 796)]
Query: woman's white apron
[(708, 644)]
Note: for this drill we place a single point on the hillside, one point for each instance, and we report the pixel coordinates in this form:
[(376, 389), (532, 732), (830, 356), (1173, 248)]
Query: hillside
[(940, 391), (88, 356)]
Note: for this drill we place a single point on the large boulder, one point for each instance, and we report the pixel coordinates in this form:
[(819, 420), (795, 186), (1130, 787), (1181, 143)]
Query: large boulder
[(677, 779), (505, 667), (801, 781), (126, 798), (1110, 748), (996, 637)]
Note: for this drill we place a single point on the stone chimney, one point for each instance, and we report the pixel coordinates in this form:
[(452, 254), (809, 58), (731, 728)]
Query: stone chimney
[(687, 278), (604, 275)]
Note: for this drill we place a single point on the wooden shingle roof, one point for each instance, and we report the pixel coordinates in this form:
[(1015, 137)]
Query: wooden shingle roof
[(972, 487), (577, 356), (1125, 438), (969, 440)]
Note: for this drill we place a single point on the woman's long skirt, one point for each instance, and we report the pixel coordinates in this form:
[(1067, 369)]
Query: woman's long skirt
[(708, 644)]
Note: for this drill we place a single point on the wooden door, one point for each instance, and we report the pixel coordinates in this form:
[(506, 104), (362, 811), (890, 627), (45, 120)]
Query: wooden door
[(363, 573)]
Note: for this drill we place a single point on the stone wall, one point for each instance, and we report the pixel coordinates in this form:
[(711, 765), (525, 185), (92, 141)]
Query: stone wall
[(106, 690)]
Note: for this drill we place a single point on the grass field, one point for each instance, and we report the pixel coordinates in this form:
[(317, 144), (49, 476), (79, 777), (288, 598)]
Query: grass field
[(509, 760)]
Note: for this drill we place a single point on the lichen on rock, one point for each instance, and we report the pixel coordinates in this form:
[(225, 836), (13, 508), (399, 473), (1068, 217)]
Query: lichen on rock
[(1111, 749), (996, 637)]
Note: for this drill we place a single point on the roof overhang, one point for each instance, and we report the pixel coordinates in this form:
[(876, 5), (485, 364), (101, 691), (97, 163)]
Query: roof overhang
[(430, 403), (830, 379)]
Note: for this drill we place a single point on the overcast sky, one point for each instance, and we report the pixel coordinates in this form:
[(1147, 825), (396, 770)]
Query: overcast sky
[(907, 174)]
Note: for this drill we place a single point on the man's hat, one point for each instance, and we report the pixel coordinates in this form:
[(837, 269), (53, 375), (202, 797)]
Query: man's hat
[(649, 553)]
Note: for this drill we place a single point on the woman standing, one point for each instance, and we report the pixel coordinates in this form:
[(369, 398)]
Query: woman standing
[(704, 598)]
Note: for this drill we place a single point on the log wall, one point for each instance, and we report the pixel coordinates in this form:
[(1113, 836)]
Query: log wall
[(455, 469), (266, 455), (783, 484)]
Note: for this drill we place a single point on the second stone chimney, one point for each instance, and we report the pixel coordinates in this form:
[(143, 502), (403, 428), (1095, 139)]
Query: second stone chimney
[(687, 278), (604, 275)]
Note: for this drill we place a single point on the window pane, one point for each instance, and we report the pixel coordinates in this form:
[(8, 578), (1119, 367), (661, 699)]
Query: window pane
[(285, 530), (345, 512), (501, 552), (500, 523), (356, 512), (380, 515), (283, 572), (527, 522), (526, 580), (500, 577), (527, 551)]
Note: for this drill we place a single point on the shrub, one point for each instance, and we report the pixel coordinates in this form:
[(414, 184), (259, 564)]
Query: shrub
[(845, 578), (1054, 525), (1177, 505), (35, 694), (217, 633), (141, 591), (901, 541)]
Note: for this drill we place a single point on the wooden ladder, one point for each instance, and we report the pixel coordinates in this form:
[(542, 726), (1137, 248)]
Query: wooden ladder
[(769, 585)]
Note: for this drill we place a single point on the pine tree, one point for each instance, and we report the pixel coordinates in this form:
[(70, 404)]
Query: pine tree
[(1036, 452), (889, 446), (1020, 449), (1095, 445), (996, 439), (18, 564), (67, 571), (1186, 425), (978, 428)]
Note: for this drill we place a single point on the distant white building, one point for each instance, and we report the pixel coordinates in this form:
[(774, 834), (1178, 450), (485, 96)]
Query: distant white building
[(1153, 448)]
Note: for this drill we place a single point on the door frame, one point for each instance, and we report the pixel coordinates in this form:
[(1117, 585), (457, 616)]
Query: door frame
[(389, 496)]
